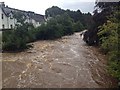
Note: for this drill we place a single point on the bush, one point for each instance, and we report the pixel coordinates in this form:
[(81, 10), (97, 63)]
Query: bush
[(50, 30), (55, 28), (12, 42), (109, 38), (17, 39), (114, 64), (66, 22), (78, 26)]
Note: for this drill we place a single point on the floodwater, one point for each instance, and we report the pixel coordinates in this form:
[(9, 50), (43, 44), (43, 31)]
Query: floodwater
[(63, 63)]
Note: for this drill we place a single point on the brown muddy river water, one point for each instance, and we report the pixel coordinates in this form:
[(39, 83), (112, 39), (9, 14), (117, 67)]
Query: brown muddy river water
[(63, 63)]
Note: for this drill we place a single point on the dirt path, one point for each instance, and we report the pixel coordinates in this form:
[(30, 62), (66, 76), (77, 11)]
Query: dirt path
[(64, 63)]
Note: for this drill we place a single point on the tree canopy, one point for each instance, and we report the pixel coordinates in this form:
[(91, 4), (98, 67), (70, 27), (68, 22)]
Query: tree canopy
[(77, 16)]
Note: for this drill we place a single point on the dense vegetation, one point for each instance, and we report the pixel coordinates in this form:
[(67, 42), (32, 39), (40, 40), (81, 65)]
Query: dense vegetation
[(56, 28), (84, 18), (105, 33), (18, 38)]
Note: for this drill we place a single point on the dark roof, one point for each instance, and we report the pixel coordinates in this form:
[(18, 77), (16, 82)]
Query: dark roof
[(37, 17), (6, 11)]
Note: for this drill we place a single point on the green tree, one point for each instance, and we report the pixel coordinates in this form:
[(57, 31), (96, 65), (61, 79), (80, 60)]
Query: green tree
[(102, 12), (85, 19), (66, 22), (54, 11), (55, 28), (78, 26)]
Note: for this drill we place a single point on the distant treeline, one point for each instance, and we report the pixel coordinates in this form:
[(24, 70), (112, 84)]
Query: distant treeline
[(105, 32), (59, 23), (84, 18)]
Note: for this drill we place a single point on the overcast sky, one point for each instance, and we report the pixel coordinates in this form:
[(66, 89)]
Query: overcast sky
[(39, 6)]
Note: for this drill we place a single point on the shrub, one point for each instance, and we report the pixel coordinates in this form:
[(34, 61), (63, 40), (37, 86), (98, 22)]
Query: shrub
[(18, 38), (55, 28), (109, 37)]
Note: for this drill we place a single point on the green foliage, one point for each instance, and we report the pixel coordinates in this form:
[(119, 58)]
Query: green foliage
[(75, 15), (85, 19), (55, 28), (109, 36), (110, 43), (102, 12), (54, 11), (49, 31), (114, 65), (12, 42), (19, 16), (17, 39), (78, 26), (66, 22)]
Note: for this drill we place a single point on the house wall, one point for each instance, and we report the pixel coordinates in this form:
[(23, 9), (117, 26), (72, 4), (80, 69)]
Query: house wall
[(0, 18), (6, 21), (32, 21), (35, 24), (11, 21), (38, 24)]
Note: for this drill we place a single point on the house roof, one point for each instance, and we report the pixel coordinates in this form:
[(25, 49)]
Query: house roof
[(6, 11), (28, 14), (36, 17)]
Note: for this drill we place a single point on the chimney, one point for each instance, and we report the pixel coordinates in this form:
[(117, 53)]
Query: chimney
[(2, 4)]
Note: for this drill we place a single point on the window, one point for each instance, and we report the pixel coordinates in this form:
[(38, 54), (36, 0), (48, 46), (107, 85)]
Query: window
[(11, 26), (3, 26), (11, 16), (2, 16)]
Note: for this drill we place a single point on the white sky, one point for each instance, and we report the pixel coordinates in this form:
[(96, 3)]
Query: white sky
[(39, 6)]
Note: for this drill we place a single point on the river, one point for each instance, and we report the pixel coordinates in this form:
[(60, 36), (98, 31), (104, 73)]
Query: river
[(62, 63)]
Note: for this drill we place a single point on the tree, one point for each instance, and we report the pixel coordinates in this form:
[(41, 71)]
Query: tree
[(102, 12), (78, 26), (66, 22), (56, 27), (54, 11), (85, 19)]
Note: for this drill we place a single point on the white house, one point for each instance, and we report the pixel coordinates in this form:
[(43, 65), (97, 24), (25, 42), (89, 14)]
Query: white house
[(8, 21), (6, 18)]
